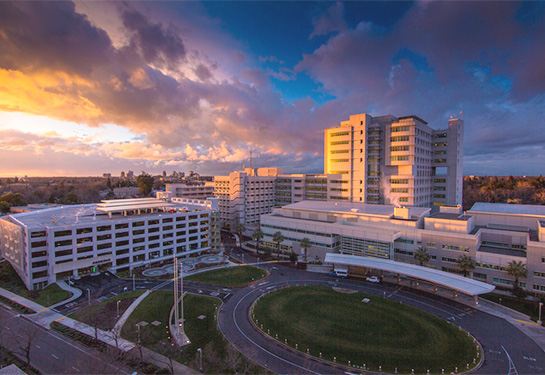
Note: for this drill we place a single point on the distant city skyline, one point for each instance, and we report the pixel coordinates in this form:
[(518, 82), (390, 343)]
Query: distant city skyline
[(89, 88)]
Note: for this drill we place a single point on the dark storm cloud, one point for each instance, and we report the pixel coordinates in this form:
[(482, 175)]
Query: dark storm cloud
[(156, 43), (34, 35)]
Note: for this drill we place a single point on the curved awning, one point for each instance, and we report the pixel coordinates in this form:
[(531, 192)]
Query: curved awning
[(452, 281)]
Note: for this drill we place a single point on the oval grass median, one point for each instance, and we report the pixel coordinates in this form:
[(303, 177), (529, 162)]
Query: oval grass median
[(380, 332), (230, 277)]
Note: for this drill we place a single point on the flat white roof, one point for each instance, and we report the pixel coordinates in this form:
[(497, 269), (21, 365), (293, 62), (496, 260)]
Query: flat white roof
[(452, 281), (505, 208), (133, 204), (353, 208)]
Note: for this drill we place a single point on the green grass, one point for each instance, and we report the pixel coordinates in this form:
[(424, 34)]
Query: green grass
[(230, 277), (104, 314), (203, 333), (10, 280), (379, 333)]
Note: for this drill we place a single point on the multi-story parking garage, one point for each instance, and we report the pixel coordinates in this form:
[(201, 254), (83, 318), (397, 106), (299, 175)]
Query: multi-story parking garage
[(46, 245)]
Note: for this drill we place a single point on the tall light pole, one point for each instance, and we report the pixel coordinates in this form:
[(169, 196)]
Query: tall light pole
[(118, 308), (200, 358), (89, 296), (539, 320)]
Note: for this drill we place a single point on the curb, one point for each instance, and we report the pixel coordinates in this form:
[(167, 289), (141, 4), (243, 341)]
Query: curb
[(347, 369)]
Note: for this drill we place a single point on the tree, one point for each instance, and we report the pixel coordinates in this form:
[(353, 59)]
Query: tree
[(278, 238), (518, 271), (4, 207), (145, 184), (305, 245), (466, 264), (28, 334), (14, 199), (239, 229), (421, 255), (257, 235)]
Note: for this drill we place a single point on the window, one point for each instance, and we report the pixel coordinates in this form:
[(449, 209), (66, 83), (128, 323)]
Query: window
[(339, 143), (84, 230), (63, 233), (104, 237), (122, 226), (138, 224), (339, 134), (339, 152), (401, 138), (63, 243), (37, 234), (104, 228), (399, 129)]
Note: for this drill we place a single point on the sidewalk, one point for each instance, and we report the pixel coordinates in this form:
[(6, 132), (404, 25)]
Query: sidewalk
[(519, 320), (121, 321), (45, 316)]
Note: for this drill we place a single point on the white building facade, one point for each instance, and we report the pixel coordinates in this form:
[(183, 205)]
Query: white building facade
[(399, 161), (492, 234), (71, 241)]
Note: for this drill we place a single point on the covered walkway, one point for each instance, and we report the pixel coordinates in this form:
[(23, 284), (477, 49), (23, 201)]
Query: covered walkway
[(448, 280)]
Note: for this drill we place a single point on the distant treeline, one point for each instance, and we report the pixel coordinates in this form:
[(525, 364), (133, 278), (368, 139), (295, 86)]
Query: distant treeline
[(516, 190)]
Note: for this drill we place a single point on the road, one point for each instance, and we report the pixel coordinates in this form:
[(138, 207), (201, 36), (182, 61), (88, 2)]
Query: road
[(52, 353), (506, 348)]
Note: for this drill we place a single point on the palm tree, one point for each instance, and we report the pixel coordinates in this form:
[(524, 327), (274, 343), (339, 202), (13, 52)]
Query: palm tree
[(305, 245), (278, 237), (257, 235), (518, 271), (466, 264), (239, 229), (421, 255)]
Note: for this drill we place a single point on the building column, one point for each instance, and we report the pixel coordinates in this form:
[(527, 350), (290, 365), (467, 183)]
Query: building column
[(475, 300)]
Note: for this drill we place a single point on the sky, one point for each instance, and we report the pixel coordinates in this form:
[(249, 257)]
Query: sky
[(93, 87)]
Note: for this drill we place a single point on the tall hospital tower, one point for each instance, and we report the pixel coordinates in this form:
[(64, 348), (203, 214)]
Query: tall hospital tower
[(396, 160)]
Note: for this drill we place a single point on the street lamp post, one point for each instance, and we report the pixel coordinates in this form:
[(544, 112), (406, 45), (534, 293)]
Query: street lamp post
[(200, 358), (118, 308), (138, 329), (539, 321), (89, 296)]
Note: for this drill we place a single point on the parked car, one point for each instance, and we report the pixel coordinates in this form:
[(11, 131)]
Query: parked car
[(373, 279)]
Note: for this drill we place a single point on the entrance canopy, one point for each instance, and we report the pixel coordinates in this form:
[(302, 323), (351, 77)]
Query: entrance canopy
[(449, 280)]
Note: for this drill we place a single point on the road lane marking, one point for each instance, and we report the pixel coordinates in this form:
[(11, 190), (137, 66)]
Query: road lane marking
[(75, 368), (38, 346), (54, 356), (512, 368), (61, 318), (42, 310), (526, 322)]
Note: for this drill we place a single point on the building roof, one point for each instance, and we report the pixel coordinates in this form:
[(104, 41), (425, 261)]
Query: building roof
[(352, 208), (120, 205), (73, 214), (503, 251), (452, 281), (450, 216), (511, 209)]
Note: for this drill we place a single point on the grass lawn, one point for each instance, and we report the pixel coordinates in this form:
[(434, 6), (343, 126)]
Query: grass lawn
[(104, 314), (203, 333), (530, 308), (230, 277), (9, 280), (378, 333)]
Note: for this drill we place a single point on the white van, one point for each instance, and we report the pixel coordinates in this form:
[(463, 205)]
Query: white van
[(339, 272)]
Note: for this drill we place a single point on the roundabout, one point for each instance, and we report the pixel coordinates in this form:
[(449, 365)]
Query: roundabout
[(363, 331)]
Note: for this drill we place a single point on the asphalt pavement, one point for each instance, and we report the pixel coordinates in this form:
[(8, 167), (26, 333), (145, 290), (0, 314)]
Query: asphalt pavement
[(507, 350)]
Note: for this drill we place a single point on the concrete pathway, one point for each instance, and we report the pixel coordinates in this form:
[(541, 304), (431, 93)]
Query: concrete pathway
[(119, 325), (76, 293)]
